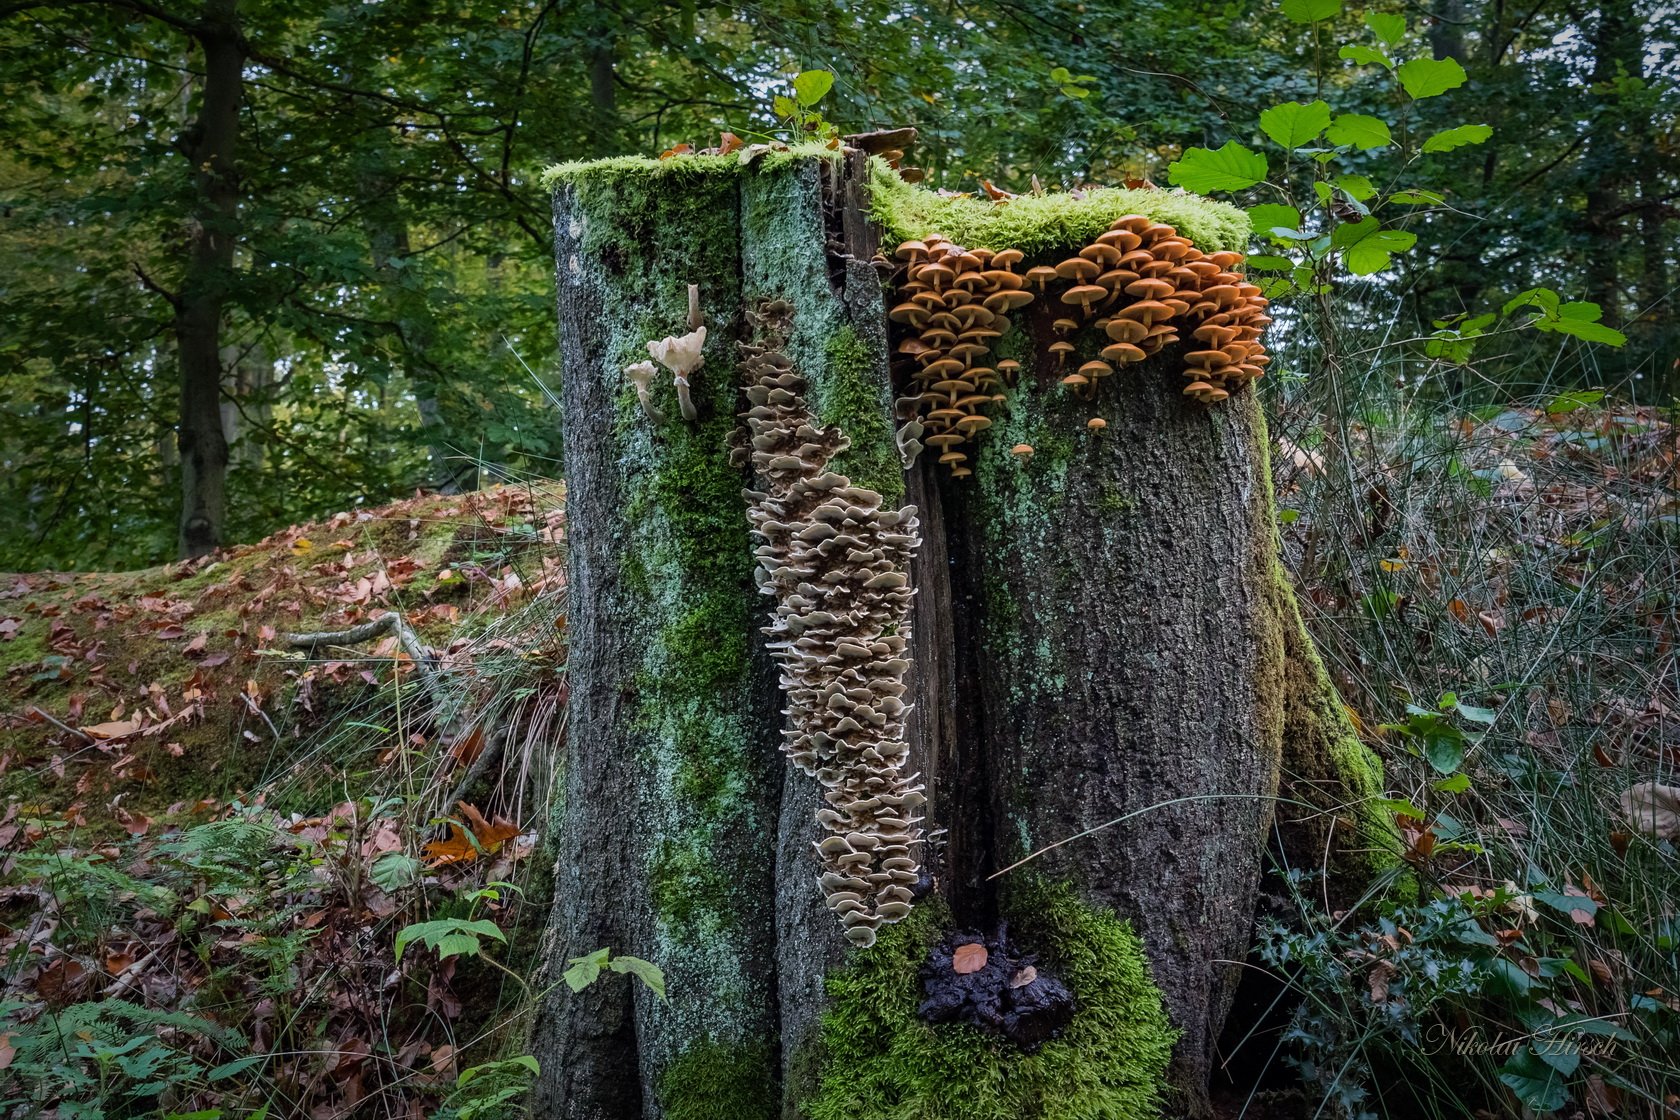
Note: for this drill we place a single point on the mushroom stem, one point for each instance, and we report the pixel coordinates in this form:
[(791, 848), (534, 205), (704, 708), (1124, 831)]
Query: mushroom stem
[(641, 376), (684, 401), (693, 312)]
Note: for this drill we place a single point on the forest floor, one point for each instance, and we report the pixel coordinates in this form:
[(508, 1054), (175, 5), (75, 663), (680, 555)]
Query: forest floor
[(205, 819), (218, 844)]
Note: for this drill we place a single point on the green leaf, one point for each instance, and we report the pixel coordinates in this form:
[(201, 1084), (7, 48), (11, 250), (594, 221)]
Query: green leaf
[(649, 973), (1311, 11), (1586, 332), (1293, 124), (1356, 187), (1272, 215), (1368, 246), (451, 937), (1360, 131), (1075, 91), (1564, 403), (1543, 298), (784, 106), (812, 86), (1430, 77), (1267, 261), (1507, 978), (1388, 28), (1536, 1084), (1477, 715), (1448, 139), (1568, 903), (1415, 197), (235, 1067), (1365, 56), (1445, 753), (1458, 783), (1230, 168), (1398, 806), (585, 970), (392, 871)]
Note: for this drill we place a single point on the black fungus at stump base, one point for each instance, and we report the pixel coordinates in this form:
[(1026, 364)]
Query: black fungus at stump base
[(1007, 995)]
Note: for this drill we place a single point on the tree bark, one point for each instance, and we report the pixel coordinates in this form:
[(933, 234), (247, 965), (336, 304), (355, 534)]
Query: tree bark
[(1099, 632), (211, 146)]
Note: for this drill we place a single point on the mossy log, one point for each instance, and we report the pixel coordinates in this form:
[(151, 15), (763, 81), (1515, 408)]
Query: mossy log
[(1100, 632)]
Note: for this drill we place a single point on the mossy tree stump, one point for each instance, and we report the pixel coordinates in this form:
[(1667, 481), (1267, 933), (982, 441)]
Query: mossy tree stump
[(1100, 631)]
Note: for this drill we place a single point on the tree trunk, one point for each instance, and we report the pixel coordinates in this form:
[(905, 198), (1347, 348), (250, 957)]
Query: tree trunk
[(210, 145), (1099, 631)]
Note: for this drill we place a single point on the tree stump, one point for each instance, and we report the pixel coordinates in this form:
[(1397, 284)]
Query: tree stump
[(1099, 632)]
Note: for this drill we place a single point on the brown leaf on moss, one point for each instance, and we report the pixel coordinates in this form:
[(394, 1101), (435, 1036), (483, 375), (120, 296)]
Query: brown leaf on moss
[(968, 958)]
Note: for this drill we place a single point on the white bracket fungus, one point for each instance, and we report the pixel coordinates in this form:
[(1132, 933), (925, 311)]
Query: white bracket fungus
[(836, 565)]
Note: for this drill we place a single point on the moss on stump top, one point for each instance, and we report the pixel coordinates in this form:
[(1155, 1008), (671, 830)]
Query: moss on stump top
[(1031, 223)]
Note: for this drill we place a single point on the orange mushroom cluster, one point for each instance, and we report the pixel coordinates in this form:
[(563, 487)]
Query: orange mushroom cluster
[(1140, 283), (837, 567), (953, 303)]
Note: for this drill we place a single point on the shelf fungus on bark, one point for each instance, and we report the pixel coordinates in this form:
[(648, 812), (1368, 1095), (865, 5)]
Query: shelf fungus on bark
[(1140, 286), (836, 567), (988, 983)]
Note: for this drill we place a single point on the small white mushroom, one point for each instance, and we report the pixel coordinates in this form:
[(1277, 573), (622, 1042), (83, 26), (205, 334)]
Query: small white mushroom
[(682, 355), (641, 376)]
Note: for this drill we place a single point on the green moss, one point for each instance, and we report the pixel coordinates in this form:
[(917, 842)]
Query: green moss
[(714, 1080), (851, 397), (619, 168), (1324, 763), (1035, 223), (881, 1061)]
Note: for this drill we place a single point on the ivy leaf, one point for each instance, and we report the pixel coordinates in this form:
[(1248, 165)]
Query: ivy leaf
[(645, 971), (1448, 139), (1535, 1083), (1230, 168), (1311, 11), (812, 86), (1294, 125), (1360, 131), (1430, 77), (1365, 56), (1390, 29)]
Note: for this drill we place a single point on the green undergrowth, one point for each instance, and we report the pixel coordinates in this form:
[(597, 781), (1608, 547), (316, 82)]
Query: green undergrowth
[(1035, 223), (880, 1061)]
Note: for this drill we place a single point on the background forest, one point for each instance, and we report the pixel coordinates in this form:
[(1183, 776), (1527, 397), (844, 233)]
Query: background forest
[(313, 232)]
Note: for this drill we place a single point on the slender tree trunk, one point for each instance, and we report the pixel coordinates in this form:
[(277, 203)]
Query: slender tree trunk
[(1612, 158), (211, 146), (1098, 633)]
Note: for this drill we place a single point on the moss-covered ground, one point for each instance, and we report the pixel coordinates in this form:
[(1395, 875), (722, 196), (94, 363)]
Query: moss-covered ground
[(881, 1061)]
